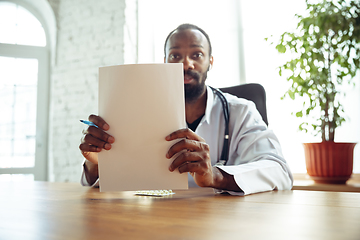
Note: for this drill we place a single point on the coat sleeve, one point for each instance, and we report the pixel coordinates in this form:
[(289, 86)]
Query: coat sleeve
[(83, 179), (255, 157)]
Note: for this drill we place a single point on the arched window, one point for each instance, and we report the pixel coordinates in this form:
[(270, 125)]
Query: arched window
[(24, 84)]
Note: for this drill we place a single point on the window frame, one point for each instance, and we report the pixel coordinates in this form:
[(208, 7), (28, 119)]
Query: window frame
[(40, 169)]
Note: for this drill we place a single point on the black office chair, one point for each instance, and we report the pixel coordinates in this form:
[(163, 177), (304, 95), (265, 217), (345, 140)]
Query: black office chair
[(253, 92)]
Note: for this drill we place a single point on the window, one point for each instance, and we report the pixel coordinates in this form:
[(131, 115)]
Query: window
[(18, 122), (23, 95), (19, 26)]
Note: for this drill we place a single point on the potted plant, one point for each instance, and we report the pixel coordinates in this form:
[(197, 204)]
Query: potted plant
[(326, 46)]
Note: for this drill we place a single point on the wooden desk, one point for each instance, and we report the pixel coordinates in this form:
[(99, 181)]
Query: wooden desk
[(40, 210), (304, 182)]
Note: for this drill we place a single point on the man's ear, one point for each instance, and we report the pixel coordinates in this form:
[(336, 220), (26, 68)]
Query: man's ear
[(211, 63)]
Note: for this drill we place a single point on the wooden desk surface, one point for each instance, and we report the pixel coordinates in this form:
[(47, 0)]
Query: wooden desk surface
[(304, 182), (41, 210)]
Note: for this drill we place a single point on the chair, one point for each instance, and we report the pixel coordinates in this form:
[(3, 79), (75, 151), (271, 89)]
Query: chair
[(253, 92)]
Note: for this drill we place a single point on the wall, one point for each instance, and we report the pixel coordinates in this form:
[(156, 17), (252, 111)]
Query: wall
[(90, 35)]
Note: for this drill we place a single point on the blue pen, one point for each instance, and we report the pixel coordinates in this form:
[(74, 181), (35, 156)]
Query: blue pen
[(89, 123)]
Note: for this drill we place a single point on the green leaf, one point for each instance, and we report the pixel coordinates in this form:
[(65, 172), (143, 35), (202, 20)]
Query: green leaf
[(299, 114), (281, 48), (291, 94)]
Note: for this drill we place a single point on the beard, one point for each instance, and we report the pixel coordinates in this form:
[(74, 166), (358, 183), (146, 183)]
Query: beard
[(194, 91)]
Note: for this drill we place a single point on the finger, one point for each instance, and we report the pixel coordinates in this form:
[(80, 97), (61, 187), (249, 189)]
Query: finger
[(84, 147), (190, 145), (99, 122), (184, 158), (100, 134), (91, 140), (184, 133), (91, 157), (192, 167), (84, 131), (85, 154), (82, 139)]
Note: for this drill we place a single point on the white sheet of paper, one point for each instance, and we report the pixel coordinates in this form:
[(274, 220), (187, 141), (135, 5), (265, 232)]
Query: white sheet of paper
[(142, 103)]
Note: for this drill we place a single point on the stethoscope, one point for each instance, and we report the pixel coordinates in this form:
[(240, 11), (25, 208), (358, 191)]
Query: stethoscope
[(225, 106)]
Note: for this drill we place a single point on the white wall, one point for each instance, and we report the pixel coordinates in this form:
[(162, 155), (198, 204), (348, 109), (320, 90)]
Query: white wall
[(90, 35)]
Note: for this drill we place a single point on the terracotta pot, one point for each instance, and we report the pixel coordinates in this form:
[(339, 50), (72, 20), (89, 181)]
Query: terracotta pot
[(329, 162)]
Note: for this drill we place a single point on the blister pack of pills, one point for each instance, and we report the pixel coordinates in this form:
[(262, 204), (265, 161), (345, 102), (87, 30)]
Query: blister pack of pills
[(154, 193)]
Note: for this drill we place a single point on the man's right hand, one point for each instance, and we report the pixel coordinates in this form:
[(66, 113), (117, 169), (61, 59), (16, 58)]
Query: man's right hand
[(95, 139)]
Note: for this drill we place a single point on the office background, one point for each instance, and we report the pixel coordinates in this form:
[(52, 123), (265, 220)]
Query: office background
[(83, 35)]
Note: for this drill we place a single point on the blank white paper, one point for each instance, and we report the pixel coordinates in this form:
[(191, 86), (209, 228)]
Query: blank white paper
[(142, 103)]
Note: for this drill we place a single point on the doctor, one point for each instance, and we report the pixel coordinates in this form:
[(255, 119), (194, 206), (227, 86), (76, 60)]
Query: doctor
[(255, 162)]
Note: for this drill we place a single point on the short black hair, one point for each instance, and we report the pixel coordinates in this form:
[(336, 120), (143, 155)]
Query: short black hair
[(186, 26)]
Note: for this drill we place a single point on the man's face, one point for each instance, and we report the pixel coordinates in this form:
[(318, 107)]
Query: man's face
[(191, 48)]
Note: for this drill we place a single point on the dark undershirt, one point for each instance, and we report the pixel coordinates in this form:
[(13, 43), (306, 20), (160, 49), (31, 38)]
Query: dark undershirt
[(195, 123)]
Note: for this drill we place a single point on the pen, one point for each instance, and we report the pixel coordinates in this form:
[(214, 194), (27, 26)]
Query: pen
[(89, 123)]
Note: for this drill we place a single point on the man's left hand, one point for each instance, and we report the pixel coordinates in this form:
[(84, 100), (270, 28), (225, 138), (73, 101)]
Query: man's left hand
[(194, 156)]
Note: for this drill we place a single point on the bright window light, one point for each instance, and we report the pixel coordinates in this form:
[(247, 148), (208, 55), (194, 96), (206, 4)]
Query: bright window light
[(18, 91), (16, 177), (19, 26)]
